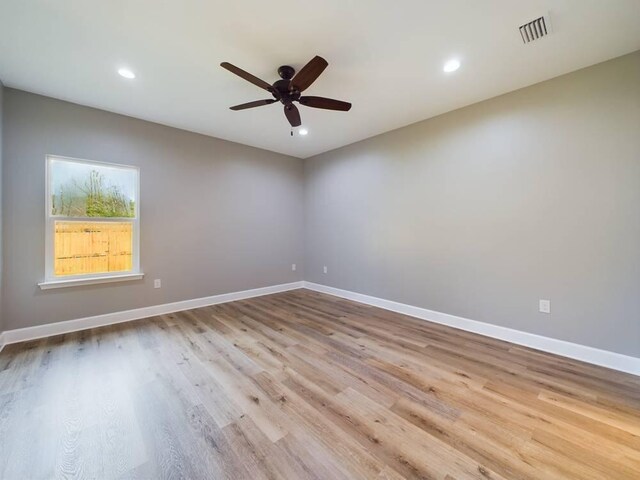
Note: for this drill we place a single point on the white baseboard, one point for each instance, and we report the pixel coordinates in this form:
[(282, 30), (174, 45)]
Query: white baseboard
[(604, 358), (41, 331)]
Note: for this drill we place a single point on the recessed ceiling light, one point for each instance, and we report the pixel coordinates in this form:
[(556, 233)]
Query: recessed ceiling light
[(451, 65), (126, 73), (303, 131)]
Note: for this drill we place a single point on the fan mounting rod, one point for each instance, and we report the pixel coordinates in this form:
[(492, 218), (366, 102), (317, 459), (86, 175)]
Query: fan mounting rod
[(286, 72)]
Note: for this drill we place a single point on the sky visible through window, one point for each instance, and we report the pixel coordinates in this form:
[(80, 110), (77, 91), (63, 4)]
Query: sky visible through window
[(63, 171), (93, 190)]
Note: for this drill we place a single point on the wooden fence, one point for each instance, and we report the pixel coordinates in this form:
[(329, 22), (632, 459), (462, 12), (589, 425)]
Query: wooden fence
[(92, 247)]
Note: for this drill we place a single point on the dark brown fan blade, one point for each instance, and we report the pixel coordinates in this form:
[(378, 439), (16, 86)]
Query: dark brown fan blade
[(257, 103), (246, 75), (326, 103), (312, 70), (293, 115)]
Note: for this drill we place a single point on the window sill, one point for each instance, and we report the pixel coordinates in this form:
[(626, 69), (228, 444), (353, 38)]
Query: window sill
[(77, 282)]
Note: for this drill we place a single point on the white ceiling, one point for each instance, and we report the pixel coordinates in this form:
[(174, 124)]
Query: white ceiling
[(384, 56)]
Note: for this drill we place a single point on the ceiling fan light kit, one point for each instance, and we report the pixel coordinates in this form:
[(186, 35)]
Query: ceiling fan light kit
[(289, 89)]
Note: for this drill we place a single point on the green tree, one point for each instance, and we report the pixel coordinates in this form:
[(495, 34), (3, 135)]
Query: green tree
[(92, 197)]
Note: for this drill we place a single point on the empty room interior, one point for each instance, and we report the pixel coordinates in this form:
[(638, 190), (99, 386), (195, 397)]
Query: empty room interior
[(320, 240)]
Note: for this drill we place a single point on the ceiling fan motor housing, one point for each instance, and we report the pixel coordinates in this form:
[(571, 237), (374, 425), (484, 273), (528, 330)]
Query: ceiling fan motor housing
[(283, 90)]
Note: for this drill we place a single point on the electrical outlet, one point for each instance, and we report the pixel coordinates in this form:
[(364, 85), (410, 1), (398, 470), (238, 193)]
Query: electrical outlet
[(324, 269), (293, 267), (545, 306), (157, 283)]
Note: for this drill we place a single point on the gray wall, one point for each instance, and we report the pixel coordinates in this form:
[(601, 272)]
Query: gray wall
[(216, 216), (483, 211), (1, 203)]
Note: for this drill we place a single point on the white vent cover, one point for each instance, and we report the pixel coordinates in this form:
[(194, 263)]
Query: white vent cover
[(535, 29)]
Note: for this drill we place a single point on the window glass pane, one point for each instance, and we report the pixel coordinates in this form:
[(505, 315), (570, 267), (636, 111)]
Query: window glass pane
[(91, 190), (92, 247)]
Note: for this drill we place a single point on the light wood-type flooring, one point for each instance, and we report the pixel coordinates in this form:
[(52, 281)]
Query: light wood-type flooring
[(301, 385)]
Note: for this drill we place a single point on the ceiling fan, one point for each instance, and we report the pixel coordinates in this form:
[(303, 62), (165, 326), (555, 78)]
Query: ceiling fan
[(289, 89)]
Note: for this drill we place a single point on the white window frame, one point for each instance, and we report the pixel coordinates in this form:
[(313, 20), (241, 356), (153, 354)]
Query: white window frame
[(53, 281)]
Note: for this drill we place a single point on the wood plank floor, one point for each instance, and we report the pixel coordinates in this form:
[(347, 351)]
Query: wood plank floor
[(302, 385)]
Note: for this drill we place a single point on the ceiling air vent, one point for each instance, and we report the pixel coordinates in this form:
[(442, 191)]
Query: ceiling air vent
[(535, 29)]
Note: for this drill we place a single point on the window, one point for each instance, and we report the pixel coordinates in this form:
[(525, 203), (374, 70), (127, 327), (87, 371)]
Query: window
[(92, 222)]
